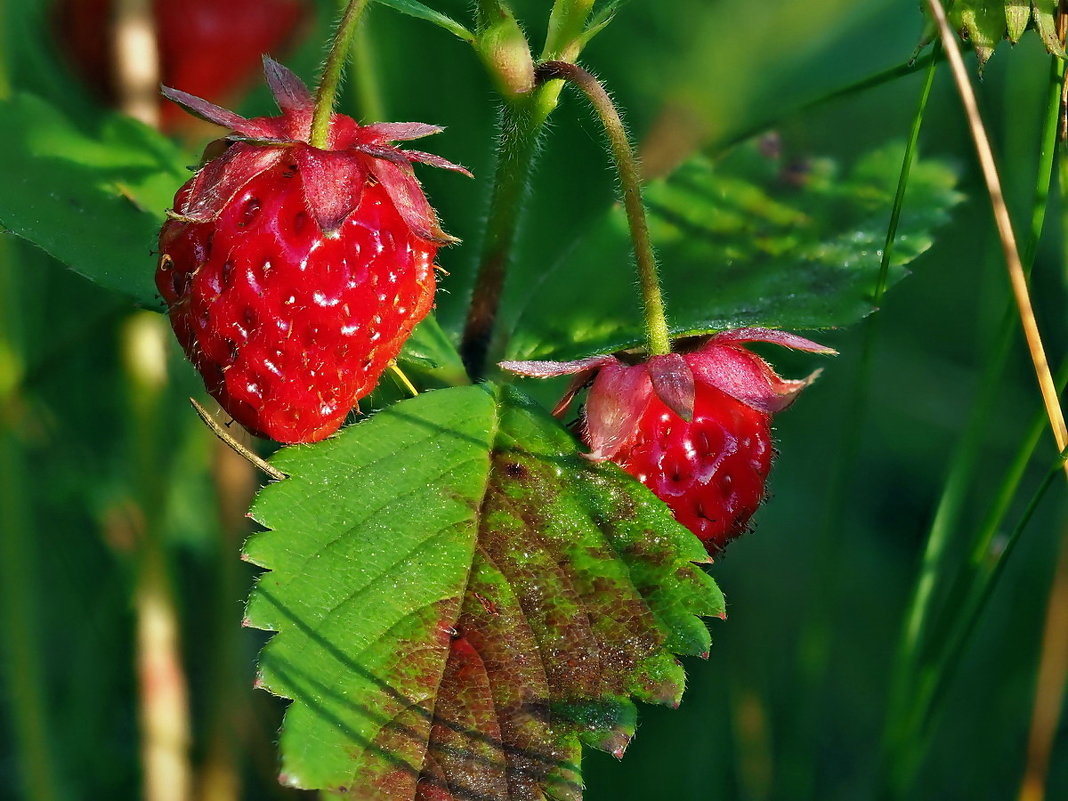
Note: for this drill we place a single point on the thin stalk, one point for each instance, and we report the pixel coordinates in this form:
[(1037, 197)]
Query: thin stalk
[(935, 678), (332, 69), (877, 79), (523, 119), (567, 21), (965, 462), (1004, 224), (521, 126), (630, 179), (902, 185), (986, 571), (816, 640)]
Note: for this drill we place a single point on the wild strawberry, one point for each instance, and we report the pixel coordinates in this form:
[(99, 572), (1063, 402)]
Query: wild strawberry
[(293, 274), (695, 428), (210, 48)]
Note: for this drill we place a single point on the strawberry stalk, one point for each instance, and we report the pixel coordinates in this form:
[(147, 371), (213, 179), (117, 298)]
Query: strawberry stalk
[(332, 69), (520, 131), (523, 118), (630, 178)]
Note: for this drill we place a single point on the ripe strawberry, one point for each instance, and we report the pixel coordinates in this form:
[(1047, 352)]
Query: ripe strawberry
[(695, 428), (293, 274), (210, 48)]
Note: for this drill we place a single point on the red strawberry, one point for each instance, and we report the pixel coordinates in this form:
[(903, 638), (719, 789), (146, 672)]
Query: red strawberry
[(695, 428), (294, 274), (209, 47)]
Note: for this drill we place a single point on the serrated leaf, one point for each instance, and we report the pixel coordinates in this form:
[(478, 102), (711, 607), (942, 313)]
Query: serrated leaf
[(95, 203), (750, 241), (423, 12), (461, 600)]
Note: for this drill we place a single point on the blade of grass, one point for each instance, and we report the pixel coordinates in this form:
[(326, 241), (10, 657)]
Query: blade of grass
[(877, 79), (815, 645), (1004, 225), (963, 468), (936, 677)]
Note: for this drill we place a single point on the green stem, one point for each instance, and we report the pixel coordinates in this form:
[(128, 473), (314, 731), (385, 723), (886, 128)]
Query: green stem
[(933, 679), (815, 647), (630, 178), (567, 21), (335, 65), (877, 79), (899, 739), (521, 127), (903, 181), (523, 118)]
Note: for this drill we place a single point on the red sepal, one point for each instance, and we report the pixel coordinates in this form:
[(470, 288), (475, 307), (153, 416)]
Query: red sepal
[(333, 177)]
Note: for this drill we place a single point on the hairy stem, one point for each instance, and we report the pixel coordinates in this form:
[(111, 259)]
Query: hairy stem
[(522, 120), (335, 65), (630, 178), (521, 127)]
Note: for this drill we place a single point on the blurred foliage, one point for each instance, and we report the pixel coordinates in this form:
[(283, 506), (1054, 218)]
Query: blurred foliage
[(739, 734)]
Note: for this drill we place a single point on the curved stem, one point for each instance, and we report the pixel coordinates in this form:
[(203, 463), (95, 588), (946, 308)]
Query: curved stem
[(335, 64), (630, 177)]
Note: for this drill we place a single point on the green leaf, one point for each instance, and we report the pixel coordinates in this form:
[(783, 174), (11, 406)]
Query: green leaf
[(461, 600), (94, 203), (754, 240), (420, 11), (431, 357)]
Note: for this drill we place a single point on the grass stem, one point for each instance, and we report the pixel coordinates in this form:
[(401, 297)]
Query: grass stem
[(1017, 278)]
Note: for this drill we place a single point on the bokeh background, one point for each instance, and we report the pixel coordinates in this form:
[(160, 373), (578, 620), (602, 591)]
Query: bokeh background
[(793, 701)]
